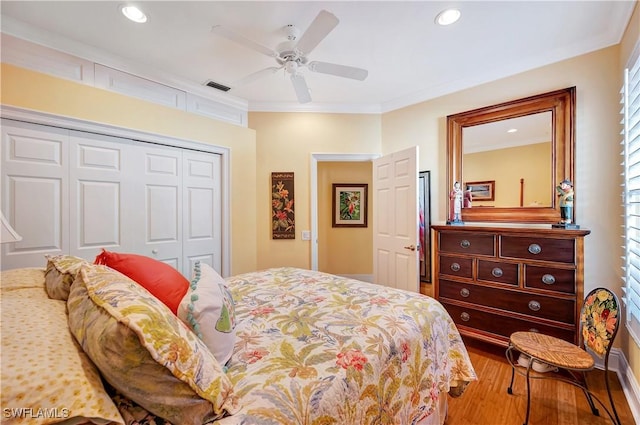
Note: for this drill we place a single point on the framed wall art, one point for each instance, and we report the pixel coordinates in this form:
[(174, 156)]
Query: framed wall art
[(481, 191), (283, 219), (349, 205)]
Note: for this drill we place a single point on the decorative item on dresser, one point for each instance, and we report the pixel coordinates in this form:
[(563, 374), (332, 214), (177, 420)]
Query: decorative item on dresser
[(494, 281)]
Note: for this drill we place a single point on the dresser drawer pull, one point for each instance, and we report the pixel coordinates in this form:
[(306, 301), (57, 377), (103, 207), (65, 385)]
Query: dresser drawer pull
[(534, 330), (464, 292), (465, 243), (534, 305), (535, 249), (465, 316), (455, 267), (497, 272), (548, 279)]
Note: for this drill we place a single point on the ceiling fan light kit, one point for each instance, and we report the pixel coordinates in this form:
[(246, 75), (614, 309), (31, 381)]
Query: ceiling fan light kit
[(291, 55)]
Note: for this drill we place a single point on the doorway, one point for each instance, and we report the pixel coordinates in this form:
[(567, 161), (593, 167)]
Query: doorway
[(315, 159)]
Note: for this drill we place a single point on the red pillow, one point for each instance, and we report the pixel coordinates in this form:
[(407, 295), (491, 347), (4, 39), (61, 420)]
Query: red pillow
[(162, 280)]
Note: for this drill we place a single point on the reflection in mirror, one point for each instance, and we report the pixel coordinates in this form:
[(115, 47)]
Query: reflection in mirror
[(490, 152), (507, 179)]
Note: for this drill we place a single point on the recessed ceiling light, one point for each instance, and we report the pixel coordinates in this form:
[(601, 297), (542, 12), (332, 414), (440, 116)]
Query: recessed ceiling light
[(512, 130), (133, 13), (448, 17)]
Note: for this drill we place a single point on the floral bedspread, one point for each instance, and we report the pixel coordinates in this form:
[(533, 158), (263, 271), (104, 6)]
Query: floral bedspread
[(314, 348)]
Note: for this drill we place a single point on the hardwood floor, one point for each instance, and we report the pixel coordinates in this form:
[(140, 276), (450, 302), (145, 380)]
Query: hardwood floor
[(486, 402)]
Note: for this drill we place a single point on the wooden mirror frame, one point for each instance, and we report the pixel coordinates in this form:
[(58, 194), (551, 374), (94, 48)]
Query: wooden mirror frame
[(561, 104)]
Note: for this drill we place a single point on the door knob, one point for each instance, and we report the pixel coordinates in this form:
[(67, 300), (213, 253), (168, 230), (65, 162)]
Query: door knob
[(410, 248), (154, 251)]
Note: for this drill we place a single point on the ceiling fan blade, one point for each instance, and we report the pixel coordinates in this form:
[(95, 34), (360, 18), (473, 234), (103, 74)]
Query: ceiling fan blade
[(256, 75), (240, 39), (339, 70), (317, 31), (301, 88)]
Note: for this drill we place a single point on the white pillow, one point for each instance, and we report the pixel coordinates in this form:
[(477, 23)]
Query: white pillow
[(208, 309)]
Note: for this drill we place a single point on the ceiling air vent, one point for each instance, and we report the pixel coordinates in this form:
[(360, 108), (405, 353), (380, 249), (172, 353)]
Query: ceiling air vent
[(217, 86)]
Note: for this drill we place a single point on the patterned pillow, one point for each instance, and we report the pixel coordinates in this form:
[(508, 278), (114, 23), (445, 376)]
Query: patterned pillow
[(209, 311), (162, 280), (144, 351), (44, 371), (60, 273)]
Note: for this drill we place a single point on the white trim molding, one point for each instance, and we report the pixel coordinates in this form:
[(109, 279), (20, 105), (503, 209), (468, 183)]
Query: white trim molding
[(152, 87)]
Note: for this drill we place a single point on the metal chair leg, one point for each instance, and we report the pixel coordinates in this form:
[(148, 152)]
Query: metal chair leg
[(606, 380), (513, 370), (526, 417), (581, 378)]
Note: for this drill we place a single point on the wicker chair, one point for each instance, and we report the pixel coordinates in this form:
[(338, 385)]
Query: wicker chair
[(599, 320)]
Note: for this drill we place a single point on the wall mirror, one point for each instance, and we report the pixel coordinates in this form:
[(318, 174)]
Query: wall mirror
[(512, 155)]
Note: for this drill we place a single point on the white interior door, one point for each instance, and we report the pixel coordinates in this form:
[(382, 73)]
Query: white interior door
[(162, 204), (75, 192), (395, 220), (102, 194), (202, 223), (35, 194)]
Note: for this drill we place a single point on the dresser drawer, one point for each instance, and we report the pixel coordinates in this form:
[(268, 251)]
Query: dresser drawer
[(467, 243), (536, 305), (454, 266), (499, 272), (560, 280), (502, 326), (543, 249)]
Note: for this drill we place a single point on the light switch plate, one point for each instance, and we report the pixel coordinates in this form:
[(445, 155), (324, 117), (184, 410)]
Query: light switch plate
[(306, 235)]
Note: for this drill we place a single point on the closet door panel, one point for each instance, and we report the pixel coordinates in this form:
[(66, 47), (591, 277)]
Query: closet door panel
[(34, 194), (101, 184), (202, 205), (161, 181)]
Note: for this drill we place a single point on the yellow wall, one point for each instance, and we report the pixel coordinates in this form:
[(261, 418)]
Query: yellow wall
[(498, 165), (285, 142), (31, 90), (598, 78), (343, 250)]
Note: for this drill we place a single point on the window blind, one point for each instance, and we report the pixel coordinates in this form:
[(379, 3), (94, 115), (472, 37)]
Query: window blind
[(631, 142)]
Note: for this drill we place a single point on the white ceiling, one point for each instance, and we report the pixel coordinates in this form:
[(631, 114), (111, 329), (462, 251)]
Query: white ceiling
[(409, 58)]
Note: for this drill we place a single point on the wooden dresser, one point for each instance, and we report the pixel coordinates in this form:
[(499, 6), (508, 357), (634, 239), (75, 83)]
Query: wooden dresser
[(497, 280)]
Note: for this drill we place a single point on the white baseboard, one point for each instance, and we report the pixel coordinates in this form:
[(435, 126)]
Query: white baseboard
[(630, 386)]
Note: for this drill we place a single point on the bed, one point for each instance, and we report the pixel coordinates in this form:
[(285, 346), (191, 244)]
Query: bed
[(307, 348)]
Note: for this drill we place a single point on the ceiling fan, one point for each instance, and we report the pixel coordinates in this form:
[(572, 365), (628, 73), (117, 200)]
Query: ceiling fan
[(291, 55)]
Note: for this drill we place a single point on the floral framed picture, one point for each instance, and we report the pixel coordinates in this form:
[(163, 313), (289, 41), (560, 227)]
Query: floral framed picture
[(481, 191), (349, 202), (283, 219)]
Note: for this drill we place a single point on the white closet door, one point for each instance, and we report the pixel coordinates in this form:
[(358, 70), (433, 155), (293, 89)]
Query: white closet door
[(34, 192), (73, 192), (102, 182), (202, 224), (160, 179)]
